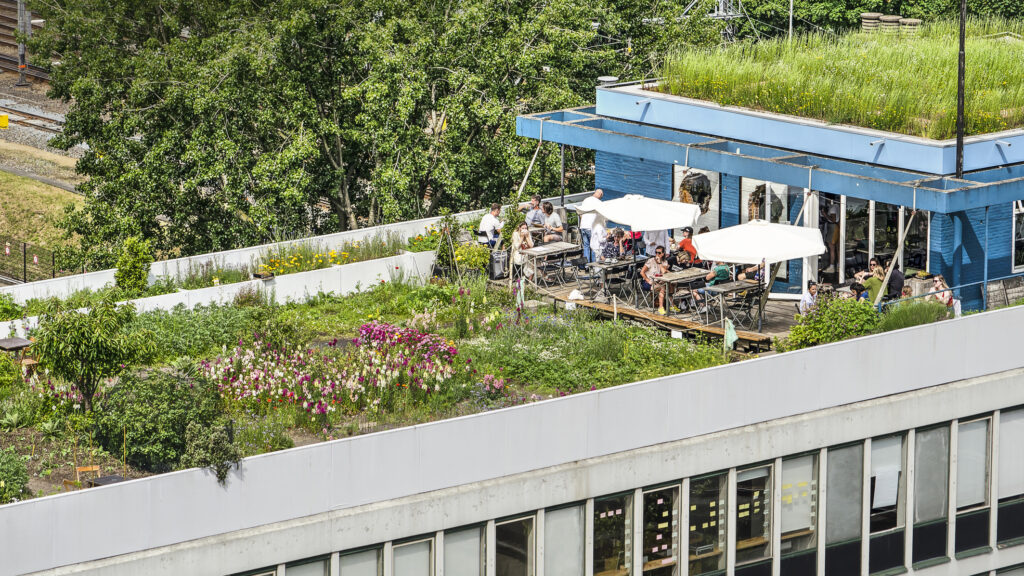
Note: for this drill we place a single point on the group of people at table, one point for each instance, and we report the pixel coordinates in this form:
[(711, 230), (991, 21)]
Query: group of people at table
[(867, 284)]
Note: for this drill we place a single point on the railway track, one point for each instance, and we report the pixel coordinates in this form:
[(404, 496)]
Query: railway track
[(10, 64), (31, 120)]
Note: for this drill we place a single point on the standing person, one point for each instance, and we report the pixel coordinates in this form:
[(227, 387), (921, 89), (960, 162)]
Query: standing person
[(896, 282), (597, 237), (534, 212), (490, 226), (655, 238), (810, 298), (587, 220), (651, 274), (521, 240), (553, 228)]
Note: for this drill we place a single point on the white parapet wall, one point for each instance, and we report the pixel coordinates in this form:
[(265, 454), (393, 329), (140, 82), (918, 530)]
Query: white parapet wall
[(475, 453), (179, 267), (296, 287)]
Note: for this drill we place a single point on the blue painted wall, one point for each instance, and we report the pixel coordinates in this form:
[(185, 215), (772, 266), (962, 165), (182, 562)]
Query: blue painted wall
[(730, 200), (971, 250), (619, 175)]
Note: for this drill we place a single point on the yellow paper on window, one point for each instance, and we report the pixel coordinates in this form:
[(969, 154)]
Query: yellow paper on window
[(713, 503), (744, 506), (704, 525), (664, 514), (744, 514), (757, 494), (693, 528), (713, 524), (693, 507), (663, 525), (713, 513)]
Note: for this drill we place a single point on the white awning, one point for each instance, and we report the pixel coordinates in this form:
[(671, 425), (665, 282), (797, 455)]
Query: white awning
[(641, 213), (758, 240)]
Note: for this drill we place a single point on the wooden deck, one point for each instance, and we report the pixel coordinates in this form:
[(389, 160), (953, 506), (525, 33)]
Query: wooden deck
[(779, 318)]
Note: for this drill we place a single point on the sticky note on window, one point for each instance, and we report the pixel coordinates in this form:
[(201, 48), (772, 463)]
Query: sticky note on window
[(713, 513), (694, 507), (713, 524), (654, 549), (787, 486), (713, 503), (661, 500), (664, 514), (603, 514), (757, 494), (657, 536), (664, 546), (693, 528), (744, 506), (744, 514), (619, 511), (663, 525), (704, 525)]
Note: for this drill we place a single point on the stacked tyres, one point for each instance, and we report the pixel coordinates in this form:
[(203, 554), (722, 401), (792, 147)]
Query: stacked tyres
[(498, 266), (869, 21)]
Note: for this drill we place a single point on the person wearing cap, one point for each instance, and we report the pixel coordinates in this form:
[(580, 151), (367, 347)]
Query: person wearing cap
[(686, 245), (810, 297)]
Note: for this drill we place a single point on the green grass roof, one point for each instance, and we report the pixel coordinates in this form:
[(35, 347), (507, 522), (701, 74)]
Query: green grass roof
[(876, 81)]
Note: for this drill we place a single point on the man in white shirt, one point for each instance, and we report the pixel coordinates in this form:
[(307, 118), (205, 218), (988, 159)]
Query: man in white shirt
[(490, 226), (655, 238), (587, 220)]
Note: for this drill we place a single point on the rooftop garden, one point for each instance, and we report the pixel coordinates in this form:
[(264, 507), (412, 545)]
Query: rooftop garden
[(903, 85)]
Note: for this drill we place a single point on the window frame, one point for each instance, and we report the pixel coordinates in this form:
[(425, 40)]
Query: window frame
[(1017, 211)]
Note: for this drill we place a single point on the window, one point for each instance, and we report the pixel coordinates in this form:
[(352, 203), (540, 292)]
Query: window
[(843, 520), (931, 493), (365, 563), (318, 567), (1018, 236), (972, 520), (887, 227), (857, 236), (799, 503), (753, 514), (661, 532), (707, 524), (463, 552), (514, 548), (414, 558), (1011, 477), (613, 535), (563, 541), (915, 246), (702, 188), (888, 503)]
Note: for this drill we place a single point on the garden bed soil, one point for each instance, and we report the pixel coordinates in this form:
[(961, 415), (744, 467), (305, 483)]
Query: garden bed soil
[(51, 461)]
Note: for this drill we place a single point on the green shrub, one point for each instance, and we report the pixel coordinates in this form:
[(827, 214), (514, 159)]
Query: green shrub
[(472, 256), (10, 374), (906, 315), (834, 319), (13, 475), (210, 447), (183, 332), (147, 415), (9, 309), (133, 266)]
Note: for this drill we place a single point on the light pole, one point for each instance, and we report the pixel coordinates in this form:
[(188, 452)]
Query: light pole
[(25, 28), (960, 78)]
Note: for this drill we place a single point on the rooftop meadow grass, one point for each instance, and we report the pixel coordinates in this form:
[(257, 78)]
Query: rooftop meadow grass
[(903, 85)]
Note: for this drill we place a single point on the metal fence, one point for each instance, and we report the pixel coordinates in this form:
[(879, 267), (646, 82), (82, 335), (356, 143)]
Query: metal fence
[(24, 262), (991, 294)]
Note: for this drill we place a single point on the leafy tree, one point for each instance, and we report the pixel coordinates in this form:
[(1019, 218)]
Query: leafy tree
[(133, 266), (86, 348)]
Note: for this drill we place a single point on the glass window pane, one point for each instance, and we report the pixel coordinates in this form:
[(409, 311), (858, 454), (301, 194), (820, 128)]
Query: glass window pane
[(366, 563), (563, 541), (972, 464), (514, 547), (752, 200), (315, 568), (931, 474), (887, 222), (829, 217), (707, 524), (887, 483), (661, 531), (753, 514), (799, 503), (699, 187), (845, 490), (915, 247), (613, 535), (413, 559), (463, 552), (1011, 465), (856, 236)]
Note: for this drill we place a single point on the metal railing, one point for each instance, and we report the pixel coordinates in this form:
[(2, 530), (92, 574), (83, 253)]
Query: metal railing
[(983, 290), (24, 262)]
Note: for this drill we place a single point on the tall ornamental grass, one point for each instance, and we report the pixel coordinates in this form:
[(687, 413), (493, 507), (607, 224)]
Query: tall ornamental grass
[(905, 85)]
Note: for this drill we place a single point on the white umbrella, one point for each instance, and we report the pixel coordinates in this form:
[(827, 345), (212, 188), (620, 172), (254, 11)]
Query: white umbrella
[(758, 241), (641, 213)]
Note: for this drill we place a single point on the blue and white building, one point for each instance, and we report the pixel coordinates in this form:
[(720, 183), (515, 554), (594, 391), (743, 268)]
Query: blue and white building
[(862, 185)]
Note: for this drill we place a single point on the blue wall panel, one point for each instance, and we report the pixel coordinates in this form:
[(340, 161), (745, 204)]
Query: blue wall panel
[(619, 175), (730, 200)]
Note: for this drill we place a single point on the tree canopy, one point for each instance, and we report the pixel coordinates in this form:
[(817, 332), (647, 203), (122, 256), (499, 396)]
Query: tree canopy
[(221, 123)]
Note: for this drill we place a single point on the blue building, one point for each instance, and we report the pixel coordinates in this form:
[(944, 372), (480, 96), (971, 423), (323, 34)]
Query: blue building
[(862, 186)]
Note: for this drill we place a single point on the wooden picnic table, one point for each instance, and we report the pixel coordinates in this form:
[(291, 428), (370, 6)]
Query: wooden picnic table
[(726, 288), (603, 267), (14, 344)]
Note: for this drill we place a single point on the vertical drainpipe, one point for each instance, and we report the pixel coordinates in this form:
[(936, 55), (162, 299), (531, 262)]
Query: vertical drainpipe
[(958, 247), (984, 285)]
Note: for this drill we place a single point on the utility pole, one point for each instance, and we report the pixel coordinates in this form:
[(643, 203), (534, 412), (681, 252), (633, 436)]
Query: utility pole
[(960, 78), (25, 28)]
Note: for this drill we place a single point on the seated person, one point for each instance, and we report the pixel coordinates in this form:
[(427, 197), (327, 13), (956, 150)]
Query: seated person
[(941, 290), (521, 240), (686, 245), (755, 272), (896, 282), (615, 245), (534, 212), (553, 229), (873, 283), (719, 274), (651, 273), (859, 291), (490, 226), (810, 298), (679, 260), (864, 274)]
